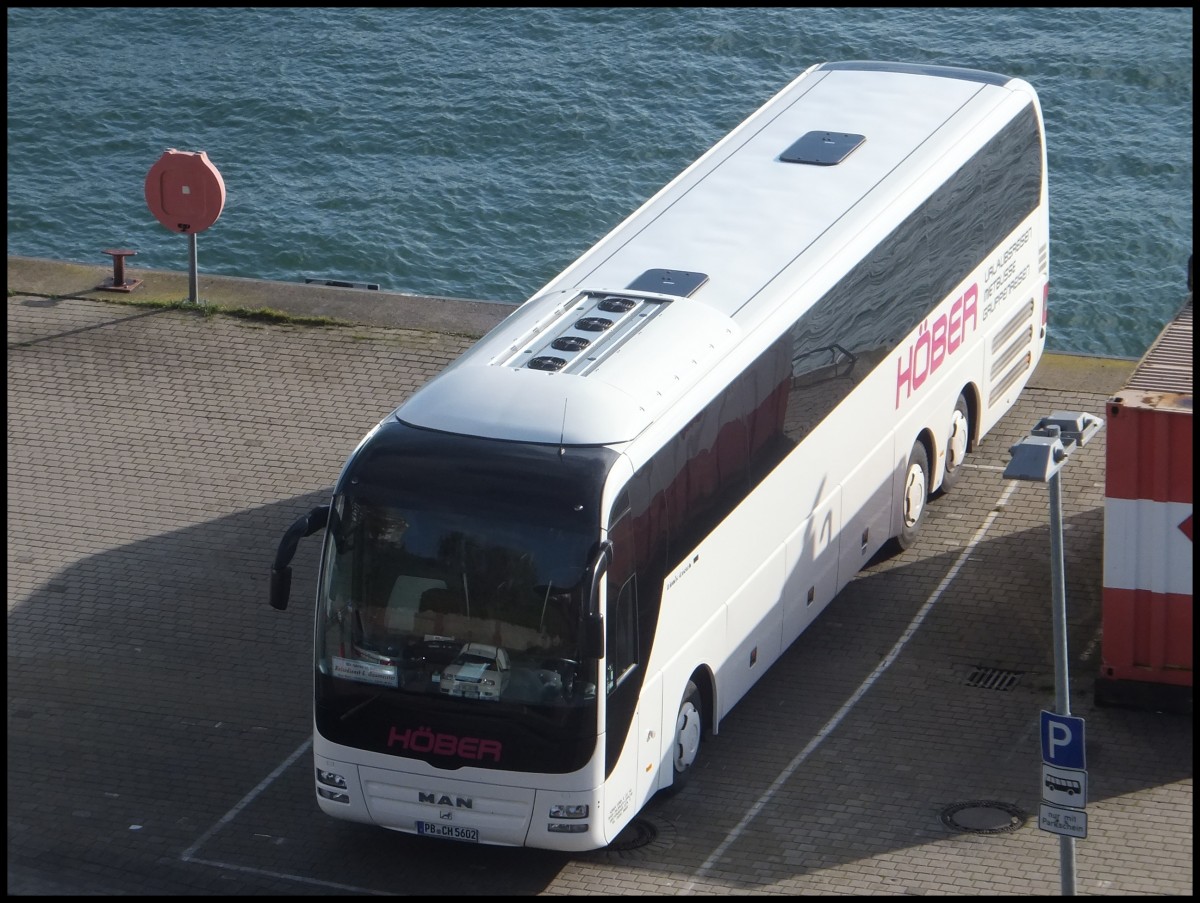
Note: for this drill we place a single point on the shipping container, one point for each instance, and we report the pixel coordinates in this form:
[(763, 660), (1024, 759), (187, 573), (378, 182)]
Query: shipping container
[(1146, 651)]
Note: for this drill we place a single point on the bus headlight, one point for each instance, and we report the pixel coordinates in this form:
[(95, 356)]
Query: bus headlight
[(333, 796), (568, 828), (331, 779), (575, 811)]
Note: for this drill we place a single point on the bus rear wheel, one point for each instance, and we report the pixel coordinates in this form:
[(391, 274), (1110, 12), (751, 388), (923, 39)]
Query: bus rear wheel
[(913, 496), (685, 746), (957, 444)]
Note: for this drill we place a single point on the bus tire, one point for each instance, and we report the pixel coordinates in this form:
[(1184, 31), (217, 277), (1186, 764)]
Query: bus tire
[(685, 745), (914, 496), (958, 442)]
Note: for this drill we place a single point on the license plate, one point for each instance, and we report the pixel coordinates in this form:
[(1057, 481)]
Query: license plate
[(453, 832)]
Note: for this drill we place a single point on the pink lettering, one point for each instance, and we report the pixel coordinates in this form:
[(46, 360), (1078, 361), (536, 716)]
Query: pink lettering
[(954, 335), (931, 347), (489, 747), (468, 748), (424, 740), (939, 342), (904, 377), (918, 377), (396, 737), (423, 736), (970, 306)]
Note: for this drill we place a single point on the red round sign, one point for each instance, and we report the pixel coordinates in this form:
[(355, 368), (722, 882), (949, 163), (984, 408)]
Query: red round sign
[(184, 191)]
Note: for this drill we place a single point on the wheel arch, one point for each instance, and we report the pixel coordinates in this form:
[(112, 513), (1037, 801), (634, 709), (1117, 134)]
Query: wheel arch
[(929, 440), (935, 446), (970, 392), (706, 684)]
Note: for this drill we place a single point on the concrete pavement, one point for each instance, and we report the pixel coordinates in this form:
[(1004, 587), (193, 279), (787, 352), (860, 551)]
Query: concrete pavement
[(159, 710)]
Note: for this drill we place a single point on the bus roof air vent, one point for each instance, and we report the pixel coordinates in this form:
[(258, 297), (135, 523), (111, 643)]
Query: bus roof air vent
[(822, 148), (614, 305), (570, 343), (594, 324), (547, 363), (576, 339)]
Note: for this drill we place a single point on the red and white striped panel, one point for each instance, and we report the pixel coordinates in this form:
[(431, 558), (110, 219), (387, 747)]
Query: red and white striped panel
[(1148, 546)]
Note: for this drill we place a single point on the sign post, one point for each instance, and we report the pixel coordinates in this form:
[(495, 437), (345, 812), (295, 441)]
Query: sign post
[(186, 194), (1064, 782), (1039, 458)]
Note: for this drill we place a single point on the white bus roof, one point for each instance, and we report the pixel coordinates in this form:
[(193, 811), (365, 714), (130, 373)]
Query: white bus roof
[(789, 200)]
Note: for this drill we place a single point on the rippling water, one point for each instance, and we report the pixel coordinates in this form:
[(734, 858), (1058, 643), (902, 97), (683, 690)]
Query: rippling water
[(475, 153)]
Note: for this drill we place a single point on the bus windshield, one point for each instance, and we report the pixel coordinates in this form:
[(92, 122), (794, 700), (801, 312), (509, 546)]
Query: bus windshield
[(470, 603)]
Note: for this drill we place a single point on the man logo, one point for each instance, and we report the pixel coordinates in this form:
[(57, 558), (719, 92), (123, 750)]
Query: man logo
[(435, 799)]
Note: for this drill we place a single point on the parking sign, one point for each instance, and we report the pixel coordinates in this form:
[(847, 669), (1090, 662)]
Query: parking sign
[(1062, 740), (1064, 786)]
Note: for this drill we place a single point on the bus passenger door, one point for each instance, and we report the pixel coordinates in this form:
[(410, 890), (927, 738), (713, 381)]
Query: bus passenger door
[(650, 743), (811, 578), (624, 674)]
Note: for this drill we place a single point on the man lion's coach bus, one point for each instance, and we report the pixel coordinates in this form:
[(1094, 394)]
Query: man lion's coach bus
[(550, 572)]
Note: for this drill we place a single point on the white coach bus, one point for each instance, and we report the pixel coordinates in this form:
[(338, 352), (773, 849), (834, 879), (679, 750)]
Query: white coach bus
[(550, 572)]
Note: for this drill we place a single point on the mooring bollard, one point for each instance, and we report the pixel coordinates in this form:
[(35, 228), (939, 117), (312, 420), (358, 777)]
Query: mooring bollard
[(118, 283)]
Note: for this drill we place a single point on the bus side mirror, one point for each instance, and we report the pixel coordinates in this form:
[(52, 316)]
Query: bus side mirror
[(593, 636), (281, 587), (593, 621), (281, 571)]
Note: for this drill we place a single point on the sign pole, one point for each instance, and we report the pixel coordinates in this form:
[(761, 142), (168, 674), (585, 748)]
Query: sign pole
[(193, 270), (186, 194), (1062, 692), (1039, 458)]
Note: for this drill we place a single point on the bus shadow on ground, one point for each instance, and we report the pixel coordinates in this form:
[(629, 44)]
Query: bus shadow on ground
[(153, 694), (951, 719)]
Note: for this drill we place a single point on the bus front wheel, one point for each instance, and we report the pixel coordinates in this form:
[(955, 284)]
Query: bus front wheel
[(685, 748), (913, 496)]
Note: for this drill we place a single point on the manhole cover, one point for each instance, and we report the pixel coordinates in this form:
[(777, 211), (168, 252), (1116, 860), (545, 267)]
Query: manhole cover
[(645, 838), (634, 836), (983, 817)]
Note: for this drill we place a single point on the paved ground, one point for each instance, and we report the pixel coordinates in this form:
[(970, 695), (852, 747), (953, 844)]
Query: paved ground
[(158, 708)]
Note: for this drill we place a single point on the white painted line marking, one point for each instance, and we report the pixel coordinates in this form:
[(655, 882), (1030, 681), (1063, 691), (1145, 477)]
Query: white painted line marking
[(832, 724), (245, 801), (267, 873), (188, 855)]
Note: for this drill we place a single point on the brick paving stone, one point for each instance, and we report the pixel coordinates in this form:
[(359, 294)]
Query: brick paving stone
[(155, 458)]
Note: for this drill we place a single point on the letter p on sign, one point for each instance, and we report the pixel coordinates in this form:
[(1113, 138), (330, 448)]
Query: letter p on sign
[(1062, 740)]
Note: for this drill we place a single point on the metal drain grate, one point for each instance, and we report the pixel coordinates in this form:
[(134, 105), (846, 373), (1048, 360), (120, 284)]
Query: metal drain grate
[(993, 678)]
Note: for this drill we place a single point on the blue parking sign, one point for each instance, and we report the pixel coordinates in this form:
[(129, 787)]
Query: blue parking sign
[(1062, 740)]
